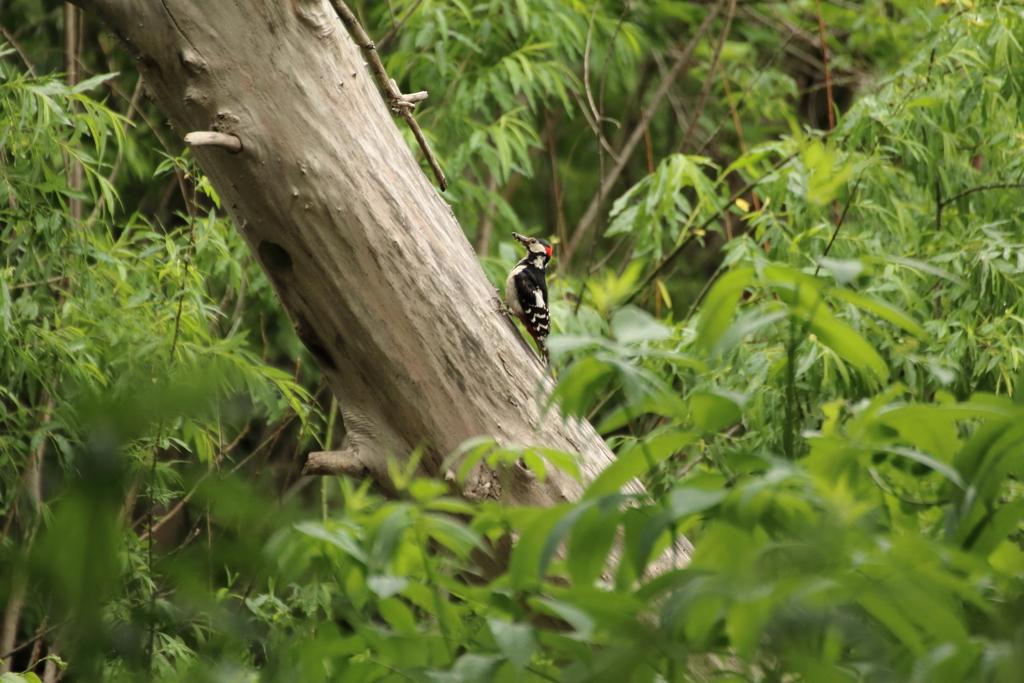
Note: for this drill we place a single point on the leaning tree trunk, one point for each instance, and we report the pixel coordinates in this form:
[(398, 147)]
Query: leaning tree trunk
[(365, 256)]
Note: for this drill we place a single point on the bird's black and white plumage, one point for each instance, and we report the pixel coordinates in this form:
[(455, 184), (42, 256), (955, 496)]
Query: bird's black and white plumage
[(526, 291)]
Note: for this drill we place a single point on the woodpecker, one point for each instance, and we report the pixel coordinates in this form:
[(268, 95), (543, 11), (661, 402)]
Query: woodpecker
[(526, 291)]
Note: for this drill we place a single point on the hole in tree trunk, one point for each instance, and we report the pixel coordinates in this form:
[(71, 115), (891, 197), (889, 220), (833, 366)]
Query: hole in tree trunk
[(276, 260)]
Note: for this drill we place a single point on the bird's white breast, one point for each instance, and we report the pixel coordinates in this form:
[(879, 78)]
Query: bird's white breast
[(511, 297)]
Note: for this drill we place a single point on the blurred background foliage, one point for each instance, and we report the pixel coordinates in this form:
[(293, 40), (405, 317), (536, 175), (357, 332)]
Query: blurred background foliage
[(787, 291)]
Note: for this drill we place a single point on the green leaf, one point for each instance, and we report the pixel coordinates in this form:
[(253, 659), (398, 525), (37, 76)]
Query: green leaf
[(579, 385), (636, 461), (560, 530), (469, 453), (385, 586), (631, 325), (90, 83), (398, 616), (683, 502), (927, 268), (827, 175), (882, 309), (848, 344), (454, 506), (577, 618), (533, 537), (713, 411), (451, 533), (564, 462), (470, 668), (535, 464), (559, 345), (590, 544), (516, 641), (881, 607), (1006, 520), (425, 490), (744, 623), (747, 324), (5, 305), (844, 271), (388, 535), (341, 537), (719, 307), (946, 470)]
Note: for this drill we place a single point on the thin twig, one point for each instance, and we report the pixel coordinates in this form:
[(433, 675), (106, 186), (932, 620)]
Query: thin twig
[(143, 537), (585, 110), (608, 56), (682, 61), (824, 59), (555, 186), (399, 104), (17, 48), (25, 285), (702, 100), (674, 254), (397, 27), (133, 108), (839, 224), (38, 636), (748, 89), (595, 116), (941, 204), (599, 115), (979, 188), (701, 294), (184, 279), (151, 652), (689, 466), (739, 136), (596, 123), (811, 64)]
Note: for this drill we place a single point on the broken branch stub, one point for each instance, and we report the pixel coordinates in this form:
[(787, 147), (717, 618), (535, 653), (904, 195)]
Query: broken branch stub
[(208, 138)]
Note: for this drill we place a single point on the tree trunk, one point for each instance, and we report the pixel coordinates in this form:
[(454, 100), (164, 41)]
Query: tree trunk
[(366, 257)]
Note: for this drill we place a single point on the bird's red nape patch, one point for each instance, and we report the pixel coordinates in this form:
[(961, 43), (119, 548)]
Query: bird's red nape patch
[(549, 250)]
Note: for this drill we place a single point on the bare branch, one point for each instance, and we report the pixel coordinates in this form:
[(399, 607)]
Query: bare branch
[(682, 61), (941, 203), (17, 48), (979, 188), (706, 88), (209, 138), (828, 73), (748, 89), (344, 463), (397, 27), (400, 105), (839, 224)]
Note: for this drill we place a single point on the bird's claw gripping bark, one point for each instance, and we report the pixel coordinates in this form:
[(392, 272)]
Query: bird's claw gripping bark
[(501, 307)]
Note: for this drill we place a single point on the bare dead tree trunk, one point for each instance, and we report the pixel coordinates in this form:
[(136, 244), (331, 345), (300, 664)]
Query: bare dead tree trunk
[(368, 260)]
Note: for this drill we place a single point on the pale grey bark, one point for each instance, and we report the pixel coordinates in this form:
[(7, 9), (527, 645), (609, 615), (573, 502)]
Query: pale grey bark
[(366, 257)]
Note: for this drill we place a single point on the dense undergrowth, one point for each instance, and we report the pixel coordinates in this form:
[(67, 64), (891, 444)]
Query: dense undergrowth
[(829, 413)]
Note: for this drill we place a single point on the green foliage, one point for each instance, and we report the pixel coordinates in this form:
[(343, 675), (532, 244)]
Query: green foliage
[(828, 411)]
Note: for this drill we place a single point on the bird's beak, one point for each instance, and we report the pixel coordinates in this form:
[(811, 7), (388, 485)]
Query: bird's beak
[(519, 237)]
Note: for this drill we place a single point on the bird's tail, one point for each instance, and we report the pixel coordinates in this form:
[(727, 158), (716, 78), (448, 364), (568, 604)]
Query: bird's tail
[(537, 340)]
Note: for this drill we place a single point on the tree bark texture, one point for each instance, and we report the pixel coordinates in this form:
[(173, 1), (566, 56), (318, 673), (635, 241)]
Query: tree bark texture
[(366, 257)]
